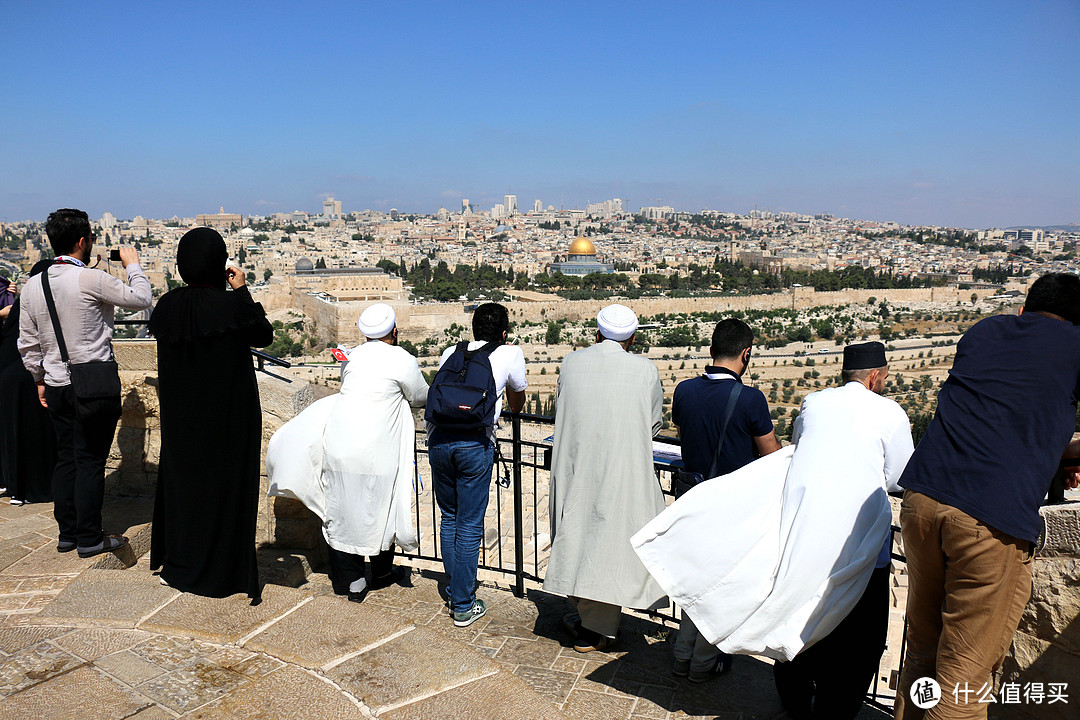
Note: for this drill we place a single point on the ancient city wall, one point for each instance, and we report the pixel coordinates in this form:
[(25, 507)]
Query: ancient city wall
[(336, 322)]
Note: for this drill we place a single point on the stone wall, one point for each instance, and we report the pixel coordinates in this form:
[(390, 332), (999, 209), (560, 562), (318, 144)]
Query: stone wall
[(1046, 648), (336, 321), (132, 466)]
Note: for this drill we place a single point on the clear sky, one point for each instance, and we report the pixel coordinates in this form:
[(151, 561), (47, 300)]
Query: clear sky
[(949, 113)]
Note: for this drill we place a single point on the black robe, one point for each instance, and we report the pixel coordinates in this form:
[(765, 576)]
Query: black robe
[(27, 439), (205, 508)]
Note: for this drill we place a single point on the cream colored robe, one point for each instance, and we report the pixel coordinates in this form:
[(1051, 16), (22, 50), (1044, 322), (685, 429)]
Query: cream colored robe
[(603, 486)]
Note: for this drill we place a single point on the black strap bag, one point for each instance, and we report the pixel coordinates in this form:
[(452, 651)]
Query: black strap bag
[(94, 383), (686, 479)]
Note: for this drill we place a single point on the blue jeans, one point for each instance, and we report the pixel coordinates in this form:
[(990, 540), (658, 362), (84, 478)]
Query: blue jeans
[(461, 474)]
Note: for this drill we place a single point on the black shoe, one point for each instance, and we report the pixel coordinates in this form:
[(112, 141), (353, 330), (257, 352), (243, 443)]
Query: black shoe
[(110, 543), (65, 546), (395, 576), (589, 641), (721, 666), (358, 597)]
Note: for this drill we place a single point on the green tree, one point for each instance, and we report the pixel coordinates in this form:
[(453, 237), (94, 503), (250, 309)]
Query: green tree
[(552, 335), (267, 273)]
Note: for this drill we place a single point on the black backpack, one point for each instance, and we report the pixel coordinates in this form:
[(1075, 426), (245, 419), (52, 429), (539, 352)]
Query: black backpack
[(462, 396)]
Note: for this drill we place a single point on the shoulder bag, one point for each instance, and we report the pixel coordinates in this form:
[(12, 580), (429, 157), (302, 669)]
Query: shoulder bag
[(90, 381)]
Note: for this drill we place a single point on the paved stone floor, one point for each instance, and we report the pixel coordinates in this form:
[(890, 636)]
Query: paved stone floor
[(81, 640)]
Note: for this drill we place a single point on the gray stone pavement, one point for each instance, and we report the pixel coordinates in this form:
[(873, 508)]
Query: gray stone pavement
[(78, 639)]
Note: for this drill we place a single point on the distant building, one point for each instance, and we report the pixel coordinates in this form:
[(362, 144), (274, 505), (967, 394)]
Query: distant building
[(510, 203), (466, 208), (605, 209), (538, 206), (581, 260), (220, 220), (656, 213), (331, 209)]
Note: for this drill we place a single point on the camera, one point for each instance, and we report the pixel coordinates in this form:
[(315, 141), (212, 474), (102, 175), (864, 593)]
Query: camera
[(114, 255)]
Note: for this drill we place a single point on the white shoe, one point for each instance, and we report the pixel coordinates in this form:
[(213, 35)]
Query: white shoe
[(14, 501)]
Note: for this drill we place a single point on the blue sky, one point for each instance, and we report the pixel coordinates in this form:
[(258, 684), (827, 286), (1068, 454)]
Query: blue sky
[(950, 113)]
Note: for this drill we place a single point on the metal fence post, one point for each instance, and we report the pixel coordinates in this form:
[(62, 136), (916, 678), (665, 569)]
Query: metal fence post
[(519, 522)]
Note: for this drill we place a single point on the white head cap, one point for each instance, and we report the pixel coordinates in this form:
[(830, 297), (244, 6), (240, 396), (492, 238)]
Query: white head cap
[(617, 322), (377, 321)]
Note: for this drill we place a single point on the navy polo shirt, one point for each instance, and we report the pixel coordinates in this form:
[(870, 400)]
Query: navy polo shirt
[(1004, 417), (698, 408)]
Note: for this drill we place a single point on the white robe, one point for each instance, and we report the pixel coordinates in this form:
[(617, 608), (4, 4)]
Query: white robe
[(770, 558), (351, 460)]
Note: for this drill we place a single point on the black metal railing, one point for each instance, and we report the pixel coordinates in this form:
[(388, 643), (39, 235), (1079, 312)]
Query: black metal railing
[(523, 461)]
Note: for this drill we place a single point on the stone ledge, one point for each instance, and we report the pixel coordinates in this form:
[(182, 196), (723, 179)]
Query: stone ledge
[(1062, 536)]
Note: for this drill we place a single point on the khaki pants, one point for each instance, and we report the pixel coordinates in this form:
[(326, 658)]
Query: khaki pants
[(968, 584), (600, 617)]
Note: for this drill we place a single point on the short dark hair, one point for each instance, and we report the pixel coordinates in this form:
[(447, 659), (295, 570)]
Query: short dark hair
[(1057, 293), (730, 337), (64, 228), (489, 322), (859, 375)]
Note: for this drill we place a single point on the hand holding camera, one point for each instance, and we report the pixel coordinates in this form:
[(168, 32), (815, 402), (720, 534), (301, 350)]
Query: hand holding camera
[(235, 277)]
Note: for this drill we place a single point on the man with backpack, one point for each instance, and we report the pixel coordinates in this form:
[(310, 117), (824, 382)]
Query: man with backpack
[(462, 413), (723, 426)]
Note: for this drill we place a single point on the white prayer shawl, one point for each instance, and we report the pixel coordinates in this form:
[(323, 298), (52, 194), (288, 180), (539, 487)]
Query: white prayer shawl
[(770, 558), (365, 468)]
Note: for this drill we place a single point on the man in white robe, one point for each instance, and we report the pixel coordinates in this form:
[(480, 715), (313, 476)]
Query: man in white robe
[(852, 430), (603, 486), (367, 458), (788, 556)]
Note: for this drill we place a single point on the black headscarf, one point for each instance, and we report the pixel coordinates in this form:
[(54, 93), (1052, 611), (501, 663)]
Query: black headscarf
[(203, 308), (201, 258)]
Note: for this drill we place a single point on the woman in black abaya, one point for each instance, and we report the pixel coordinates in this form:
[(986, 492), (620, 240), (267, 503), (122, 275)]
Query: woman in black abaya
[(27, 440), (205, 509)]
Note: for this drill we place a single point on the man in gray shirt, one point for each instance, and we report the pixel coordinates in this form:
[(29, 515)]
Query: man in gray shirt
[(84, 300)]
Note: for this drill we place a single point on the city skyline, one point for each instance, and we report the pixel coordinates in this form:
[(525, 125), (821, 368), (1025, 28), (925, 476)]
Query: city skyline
[(960, 115)]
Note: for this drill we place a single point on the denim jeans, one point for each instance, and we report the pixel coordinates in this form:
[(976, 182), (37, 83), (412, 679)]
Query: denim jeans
[(461, 474)]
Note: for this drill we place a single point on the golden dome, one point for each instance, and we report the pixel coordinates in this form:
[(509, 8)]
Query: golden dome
[(582, 246)]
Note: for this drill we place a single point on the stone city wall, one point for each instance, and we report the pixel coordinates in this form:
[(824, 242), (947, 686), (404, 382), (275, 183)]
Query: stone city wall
[(336, 322)]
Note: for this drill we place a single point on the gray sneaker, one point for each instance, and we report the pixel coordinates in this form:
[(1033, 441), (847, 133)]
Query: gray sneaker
[(467, 618)]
